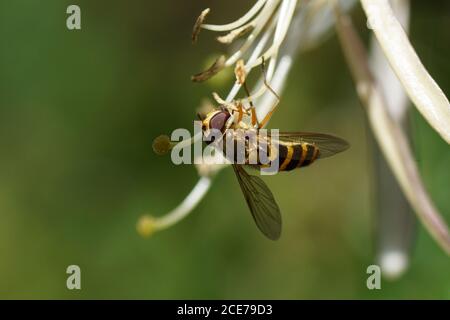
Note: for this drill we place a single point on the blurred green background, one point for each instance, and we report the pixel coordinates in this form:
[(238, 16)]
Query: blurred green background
[(79, 111)]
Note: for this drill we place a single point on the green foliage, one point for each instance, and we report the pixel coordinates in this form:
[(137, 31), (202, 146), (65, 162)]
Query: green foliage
[(78, 113)]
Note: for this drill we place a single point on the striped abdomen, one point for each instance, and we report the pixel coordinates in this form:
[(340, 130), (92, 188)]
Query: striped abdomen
[(290, 155), (296, 155)]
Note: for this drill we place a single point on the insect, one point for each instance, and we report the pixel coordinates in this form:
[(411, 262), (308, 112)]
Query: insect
[(294, 150)]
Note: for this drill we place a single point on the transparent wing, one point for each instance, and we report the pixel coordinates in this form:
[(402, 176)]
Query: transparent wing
[(261, 202), (328, 145)]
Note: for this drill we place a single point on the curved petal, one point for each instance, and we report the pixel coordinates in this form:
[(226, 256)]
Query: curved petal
[(420, 86), (389, 135)]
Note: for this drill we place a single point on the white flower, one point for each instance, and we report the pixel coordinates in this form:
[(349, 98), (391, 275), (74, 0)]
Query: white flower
[(275, 30)]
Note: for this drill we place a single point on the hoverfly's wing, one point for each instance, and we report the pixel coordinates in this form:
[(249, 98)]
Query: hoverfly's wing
[(328, 145), (261, 202)]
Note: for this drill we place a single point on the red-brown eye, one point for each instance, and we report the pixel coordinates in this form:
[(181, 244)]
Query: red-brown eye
[(219, 120)]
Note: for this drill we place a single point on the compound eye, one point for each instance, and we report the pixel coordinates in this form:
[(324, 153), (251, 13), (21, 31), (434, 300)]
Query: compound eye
[(219, 120)]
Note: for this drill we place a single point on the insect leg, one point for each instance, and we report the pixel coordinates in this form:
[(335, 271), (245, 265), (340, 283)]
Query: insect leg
[(269, 115), (255, 122), (241, 75), (263, 67)]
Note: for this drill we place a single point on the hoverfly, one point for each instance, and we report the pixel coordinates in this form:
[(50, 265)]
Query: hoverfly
[(294, 150)]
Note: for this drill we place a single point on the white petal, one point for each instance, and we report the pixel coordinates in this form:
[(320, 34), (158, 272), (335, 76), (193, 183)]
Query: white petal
[(390, 136), (396, 222), (420, 86)]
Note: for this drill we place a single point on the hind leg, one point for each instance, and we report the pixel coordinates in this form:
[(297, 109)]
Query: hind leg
[(269, 115)]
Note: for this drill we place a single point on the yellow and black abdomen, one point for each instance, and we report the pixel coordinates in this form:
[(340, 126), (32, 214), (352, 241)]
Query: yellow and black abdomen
[(295, 155)]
